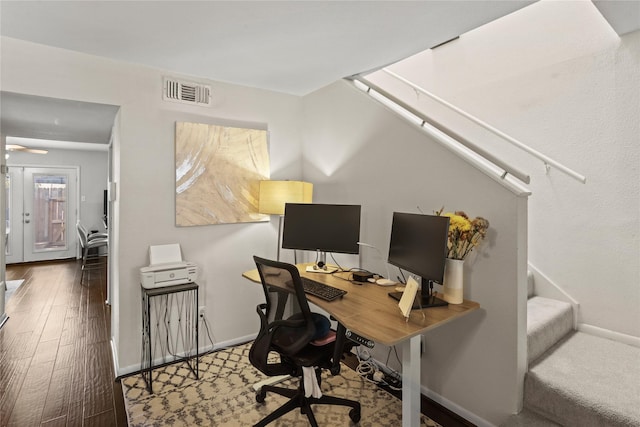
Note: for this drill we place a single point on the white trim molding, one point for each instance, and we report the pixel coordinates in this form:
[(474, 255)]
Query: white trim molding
[(609, 334)]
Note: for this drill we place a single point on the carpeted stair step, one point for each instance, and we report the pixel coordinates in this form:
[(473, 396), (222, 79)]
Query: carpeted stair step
[(586, 381), (527, 418), (548, 320)]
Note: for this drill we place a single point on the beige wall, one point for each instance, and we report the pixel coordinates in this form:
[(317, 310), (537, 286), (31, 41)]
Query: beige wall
[(565, 84), (143, 170), (357, 151), (354, 151)]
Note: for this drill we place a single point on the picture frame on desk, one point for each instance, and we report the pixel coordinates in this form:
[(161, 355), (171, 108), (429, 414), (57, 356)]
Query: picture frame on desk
[(408, 296)]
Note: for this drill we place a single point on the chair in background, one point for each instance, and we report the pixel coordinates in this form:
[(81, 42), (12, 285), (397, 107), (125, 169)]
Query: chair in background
[(296, 340), (94, 249)]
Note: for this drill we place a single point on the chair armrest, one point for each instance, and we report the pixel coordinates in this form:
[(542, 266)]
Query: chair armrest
[(92, 236), (97, 243)]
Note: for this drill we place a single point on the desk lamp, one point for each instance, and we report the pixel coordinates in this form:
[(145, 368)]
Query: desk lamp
[(275, 194)]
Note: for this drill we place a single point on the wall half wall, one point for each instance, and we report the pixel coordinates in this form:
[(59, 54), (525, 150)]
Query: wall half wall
[(357, 151)]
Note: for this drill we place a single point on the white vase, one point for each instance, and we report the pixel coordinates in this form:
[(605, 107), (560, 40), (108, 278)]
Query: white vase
[(453, 281)]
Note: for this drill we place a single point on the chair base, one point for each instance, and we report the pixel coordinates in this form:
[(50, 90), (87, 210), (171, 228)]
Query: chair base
[(298, 400), (92, 262)]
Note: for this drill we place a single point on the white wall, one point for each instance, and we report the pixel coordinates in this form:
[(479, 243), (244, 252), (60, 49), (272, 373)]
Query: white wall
[(93, 178), (555, 76), (378, 161), (356, 151), (144, 173)]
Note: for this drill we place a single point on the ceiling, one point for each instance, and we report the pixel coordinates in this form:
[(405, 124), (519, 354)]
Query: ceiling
[(55, 122), (293, 47), (287, 46)]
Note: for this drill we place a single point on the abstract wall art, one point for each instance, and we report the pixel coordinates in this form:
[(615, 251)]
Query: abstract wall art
[(218, 173)]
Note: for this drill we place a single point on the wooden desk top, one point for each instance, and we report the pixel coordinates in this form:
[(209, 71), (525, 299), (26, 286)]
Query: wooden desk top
[(368, 310)]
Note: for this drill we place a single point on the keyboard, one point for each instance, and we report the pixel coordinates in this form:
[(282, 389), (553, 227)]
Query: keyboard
[(320, 290)]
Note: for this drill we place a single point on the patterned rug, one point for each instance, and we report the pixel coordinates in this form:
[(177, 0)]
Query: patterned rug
[(224, 396)]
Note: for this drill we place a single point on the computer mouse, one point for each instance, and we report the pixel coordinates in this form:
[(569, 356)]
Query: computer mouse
[(371, 279), (385, 282), (400, 288)]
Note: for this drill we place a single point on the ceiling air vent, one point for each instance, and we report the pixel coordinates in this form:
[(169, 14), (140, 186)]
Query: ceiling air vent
[(186, 92)]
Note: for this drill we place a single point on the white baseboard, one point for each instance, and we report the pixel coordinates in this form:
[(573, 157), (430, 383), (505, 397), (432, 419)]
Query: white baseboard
[(114, 358), (457, 409), (126, 370), (612, 335), (464, 413), (234, 342)]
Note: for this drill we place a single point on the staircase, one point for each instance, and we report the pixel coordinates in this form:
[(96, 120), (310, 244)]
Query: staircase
[(574, 378)]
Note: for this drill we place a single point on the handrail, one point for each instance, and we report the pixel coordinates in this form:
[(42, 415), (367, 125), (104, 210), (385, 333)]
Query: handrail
[(547, 160), (452, 134)]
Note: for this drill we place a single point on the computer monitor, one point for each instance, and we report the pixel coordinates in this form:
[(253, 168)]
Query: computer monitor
[(419, 245), (322, 228)]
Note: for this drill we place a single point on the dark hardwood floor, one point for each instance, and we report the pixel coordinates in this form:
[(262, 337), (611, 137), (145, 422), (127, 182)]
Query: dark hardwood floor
[(55, 356)]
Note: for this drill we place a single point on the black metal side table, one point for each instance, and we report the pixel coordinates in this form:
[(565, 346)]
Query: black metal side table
[(169, 328)]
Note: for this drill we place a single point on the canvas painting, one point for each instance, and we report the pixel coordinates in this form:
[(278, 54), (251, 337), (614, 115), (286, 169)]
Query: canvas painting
[(218, 173)]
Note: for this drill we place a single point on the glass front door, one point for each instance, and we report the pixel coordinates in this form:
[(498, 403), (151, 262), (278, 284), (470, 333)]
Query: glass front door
[(41, 212)]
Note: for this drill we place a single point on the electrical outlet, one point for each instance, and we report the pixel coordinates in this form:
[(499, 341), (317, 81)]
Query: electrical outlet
[(201, 310)]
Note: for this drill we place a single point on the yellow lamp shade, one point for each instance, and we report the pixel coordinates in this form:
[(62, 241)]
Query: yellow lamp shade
[(275, 194)]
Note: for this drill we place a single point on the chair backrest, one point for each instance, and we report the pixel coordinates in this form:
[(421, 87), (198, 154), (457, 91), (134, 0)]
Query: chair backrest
[(82, 234), (289, 336)]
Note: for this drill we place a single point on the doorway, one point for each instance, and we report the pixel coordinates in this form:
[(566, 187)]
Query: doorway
[(41, 213)]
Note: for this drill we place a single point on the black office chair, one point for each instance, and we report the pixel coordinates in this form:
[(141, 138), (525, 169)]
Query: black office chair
[(292, 339)]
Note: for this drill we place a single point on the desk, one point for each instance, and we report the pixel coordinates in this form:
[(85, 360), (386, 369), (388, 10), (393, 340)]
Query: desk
[(159, 307), (368, 311)]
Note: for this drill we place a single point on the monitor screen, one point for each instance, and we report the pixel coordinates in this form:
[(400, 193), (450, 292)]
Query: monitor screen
[(324, 228), (419, 244)]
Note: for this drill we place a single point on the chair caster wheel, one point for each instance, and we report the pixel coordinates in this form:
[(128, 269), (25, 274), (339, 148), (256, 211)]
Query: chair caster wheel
[(260, 396), (354, 414)]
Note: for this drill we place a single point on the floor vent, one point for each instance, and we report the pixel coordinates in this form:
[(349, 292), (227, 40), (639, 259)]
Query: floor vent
[(186, 92)]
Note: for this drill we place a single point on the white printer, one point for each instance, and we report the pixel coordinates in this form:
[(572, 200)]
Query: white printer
[(166, 268)]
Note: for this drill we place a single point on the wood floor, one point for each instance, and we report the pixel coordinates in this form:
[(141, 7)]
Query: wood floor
[(55, 357)]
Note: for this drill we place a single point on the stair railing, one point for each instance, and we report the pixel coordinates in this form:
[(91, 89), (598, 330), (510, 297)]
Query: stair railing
[(548, 162), (428, 124)]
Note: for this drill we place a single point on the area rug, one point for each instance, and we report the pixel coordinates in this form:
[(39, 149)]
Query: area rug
[(224, 396), (12, 287)]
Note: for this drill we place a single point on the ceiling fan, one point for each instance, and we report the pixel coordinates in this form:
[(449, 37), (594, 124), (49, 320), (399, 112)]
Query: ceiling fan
[(16, 147)]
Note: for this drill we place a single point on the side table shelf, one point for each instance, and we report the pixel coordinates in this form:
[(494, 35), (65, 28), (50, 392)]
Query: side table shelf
[(169, 329)]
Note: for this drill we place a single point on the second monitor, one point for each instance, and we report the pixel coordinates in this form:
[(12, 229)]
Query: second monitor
[(419, 245), (322, 228)]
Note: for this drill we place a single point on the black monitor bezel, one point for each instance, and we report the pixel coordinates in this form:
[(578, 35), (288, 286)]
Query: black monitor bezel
[(427, 299), (347, 209)]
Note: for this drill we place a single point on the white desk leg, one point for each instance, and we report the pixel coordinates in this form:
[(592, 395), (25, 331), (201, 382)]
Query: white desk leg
[(411, 382)]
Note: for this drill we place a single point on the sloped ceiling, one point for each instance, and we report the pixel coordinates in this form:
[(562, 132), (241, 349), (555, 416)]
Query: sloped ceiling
[(288, 46), (622, 15), (294, 47)]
